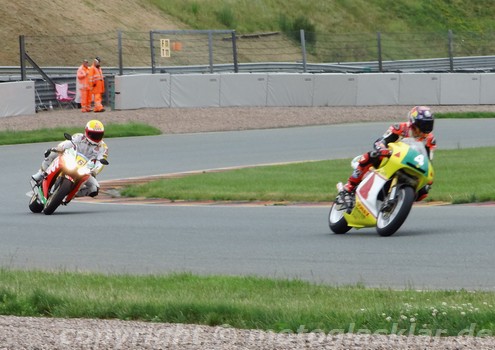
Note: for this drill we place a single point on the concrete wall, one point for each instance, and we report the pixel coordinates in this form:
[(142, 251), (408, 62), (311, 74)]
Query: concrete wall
[(17, 98), (299, 89), (278, 89)]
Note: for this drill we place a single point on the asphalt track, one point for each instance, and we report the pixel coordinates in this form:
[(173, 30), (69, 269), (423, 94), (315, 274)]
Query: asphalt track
[(439, 247)]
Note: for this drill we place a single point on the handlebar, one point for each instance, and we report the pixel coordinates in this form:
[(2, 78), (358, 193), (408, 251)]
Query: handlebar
[(380, 153)]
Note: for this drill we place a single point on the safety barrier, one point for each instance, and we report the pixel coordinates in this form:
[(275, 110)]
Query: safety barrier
[(302, 89), (268, 89), (17, 98)]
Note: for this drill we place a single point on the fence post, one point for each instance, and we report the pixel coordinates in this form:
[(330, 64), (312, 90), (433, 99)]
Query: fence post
[(234, 52), (303, 48), (451, 50), (121, 66), (380, 59), (38, 68), (21, 56), (152, 47), (210, 49)]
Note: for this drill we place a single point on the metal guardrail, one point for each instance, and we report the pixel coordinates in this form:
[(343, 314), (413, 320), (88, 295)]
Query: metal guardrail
[(457, 64), (472, 63)]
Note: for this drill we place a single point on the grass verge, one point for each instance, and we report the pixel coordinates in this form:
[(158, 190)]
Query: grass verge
[(464, 115), (9, 137), (456, 181), (244, 302)]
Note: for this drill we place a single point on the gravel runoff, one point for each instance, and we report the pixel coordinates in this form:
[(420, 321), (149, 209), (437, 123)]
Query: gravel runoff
[(56, 333), (192, 120), (59, 333)]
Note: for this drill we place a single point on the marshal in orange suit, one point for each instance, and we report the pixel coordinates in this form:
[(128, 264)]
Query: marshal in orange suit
[(83, 84), (97, 84)]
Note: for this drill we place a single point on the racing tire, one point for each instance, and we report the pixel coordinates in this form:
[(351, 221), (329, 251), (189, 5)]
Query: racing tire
[(53, 202), (336, 220), (388, 223), (34, 204)]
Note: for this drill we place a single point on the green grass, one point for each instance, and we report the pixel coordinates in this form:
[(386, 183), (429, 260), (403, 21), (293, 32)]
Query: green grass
[(242, 302), (309, 181), (333, 16), (461, 176), (11, 137), (465, 115)]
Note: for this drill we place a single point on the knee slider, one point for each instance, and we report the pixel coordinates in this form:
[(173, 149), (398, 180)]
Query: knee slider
[(94, 193)]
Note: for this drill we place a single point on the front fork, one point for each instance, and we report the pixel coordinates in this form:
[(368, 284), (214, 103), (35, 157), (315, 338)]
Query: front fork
[(390, 199), (38, 191)]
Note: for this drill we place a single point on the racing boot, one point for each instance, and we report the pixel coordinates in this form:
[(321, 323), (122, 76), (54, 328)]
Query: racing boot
[(346, 195), (38, 177)]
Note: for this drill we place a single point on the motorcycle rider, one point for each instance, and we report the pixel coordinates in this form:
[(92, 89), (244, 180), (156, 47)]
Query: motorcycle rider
[(419, 126), (91, 145)]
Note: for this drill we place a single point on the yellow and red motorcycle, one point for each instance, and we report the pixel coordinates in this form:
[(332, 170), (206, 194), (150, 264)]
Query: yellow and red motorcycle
[(386, 194)]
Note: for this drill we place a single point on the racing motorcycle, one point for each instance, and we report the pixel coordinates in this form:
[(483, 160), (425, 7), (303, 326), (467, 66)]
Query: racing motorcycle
[(64, 178), (386, 194)]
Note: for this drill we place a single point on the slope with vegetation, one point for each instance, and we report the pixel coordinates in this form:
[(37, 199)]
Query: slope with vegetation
[(335, 16), (90, 18)]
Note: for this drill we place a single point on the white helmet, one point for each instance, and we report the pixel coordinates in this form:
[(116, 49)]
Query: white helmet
[(94, 131)]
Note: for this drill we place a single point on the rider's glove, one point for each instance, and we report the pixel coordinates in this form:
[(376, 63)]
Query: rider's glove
[(381, 152), (92, 166), (379, 144), (48, 151)]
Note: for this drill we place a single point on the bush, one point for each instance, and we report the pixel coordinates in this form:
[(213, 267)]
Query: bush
[(226, 17), (292, 28)]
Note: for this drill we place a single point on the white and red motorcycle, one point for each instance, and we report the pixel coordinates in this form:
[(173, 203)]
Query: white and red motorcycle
[(65, 177)]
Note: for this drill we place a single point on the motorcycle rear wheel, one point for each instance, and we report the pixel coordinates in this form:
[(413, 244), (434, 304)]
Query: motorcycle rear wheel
[(387, 223), (336, 220), (58, 196)]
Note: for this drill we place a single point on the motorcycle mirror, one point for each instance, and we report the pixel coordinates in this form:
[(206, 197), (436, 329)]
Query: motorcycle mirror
[(67, 136), (104, 161)]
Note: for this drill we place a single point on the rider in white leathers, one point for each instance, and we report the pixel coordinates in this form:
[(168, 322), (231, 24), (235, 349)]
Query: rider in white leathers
[(91, 145)]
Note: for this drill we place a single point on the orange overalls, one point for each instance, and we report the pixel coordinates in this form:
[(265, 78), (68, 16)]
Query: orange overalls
[(83, 79), (97, 85)]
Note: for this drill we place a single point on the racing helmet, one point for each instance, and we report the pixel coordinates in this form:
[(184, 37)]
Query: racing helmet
[(94, 131), (422, 118)]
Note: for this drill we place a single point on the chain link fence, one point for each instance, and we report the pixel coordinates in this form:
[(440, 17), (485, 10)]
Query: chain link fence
[(212, 50), (48, 59)]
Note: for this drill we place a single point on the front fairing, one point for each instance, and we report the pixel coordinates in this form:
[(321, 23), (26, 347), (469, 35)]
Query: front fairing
[(69, 164), (410, 157), (366, 205)]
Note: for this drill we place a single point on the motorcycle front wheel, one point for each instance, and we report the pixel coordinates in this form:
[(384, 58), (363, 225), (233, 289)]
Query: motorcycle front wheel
[(53, 202), (336, 220), (34, 204), (389, 221)]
